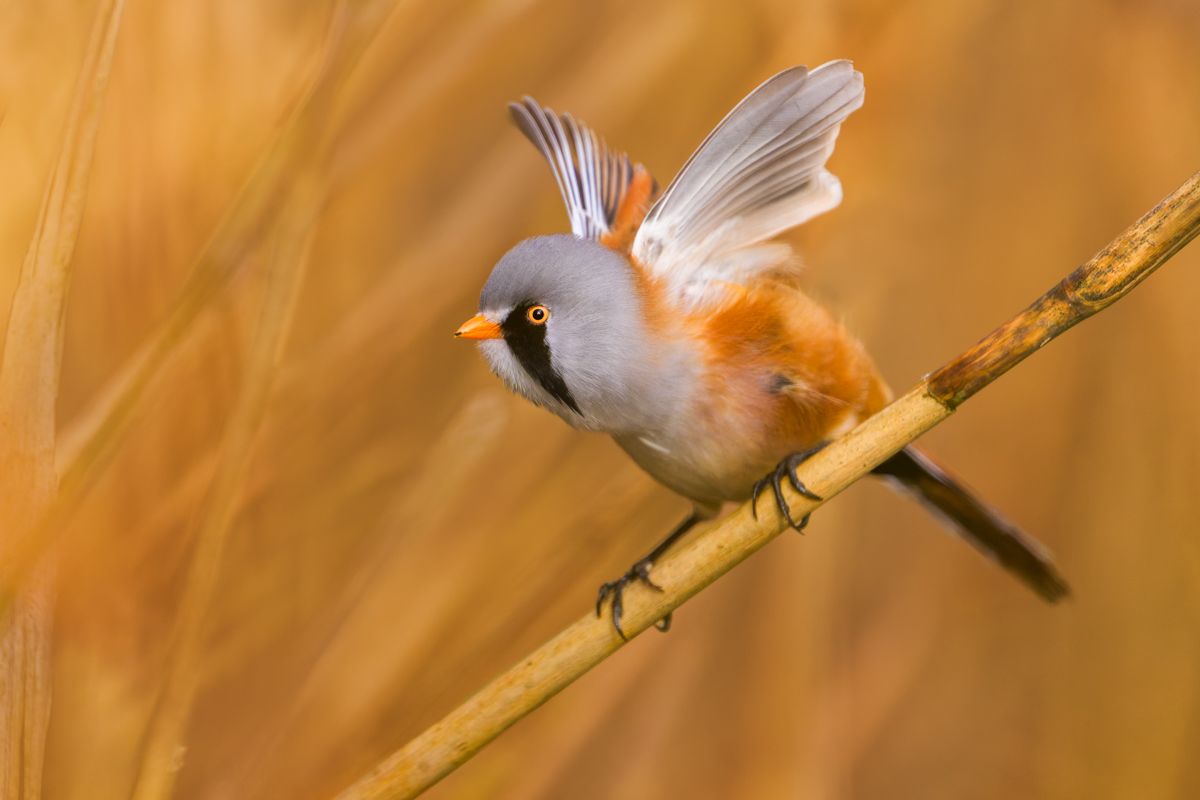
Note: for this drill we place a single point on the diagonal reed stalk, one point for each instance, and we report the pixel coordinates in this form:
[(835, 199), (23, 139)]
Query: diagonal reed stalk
[(29, 380), (1094, 286)]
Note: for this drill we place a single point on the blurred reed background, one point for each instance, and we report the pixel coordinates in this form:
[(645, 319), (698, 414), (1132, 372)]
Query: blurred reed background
[(292, 206)]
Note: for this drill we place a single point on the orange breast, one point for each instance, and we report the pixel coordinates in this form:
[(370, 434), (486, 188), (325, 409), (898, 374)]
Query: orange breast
[(777, 374), (780, 375)]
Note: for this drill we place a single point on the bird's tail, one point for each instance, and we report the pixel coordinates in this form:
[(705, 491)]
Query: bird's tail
[(978, 523)]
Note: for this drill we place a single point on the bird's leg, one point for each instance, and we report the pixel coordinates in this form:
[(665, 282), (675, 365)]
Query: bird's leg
[(640, 571), (787, 468)]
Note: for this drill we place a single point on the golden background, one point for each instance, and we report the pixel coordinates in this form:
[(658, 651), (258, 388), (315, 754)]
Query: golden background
[(404, 529)]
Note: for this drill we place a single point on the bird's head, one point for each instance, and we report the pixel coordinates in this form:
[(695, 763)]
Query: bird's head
[(560, 321)]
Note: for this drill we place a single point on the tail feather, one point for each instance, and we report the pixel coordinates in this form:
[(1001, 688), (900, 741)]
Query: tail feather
[(979, 524)]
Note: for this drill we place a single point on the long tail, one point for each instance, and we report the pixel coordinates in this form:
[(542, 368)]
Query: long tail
[(979, 524)]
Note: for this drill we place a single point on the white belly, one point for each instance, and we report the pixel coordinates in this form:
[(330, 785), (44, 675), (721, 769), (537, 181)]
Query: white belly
[(705, 472), (720, 462)]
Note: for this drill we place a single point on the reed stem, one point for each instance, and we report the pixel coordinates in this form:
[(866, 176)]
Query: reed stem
[(1097, 284)]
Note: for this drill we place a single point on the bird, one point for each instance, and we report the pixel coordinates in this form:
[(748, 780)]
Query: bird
[(674, 322)]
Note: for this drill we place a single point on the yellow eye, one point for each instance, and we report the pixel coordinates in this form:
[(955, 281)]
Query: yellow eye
[(537, 315)]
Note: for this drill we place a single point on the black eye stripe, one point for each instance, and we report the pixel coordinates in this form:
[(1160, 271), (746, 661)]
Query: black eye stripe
[(528, 343)]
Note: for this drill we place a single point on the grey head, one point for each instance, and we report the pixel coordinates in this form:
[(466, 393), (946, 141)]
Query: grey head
[(566, 330)]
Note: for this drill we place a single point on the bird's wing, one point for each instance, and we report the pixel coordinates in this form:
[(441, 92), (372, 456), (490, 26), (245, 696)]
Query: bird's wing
[(606, 194), (760, 172)]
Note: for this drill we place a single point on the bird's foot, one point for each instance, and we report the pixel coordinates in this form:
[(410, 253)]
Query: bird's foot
[(640, 573), (787, 469)]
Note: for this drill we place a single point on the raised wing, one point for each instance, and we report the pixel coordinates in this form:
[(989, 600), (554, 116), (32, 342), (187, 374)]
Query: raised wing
[(760, 172), (605, 193)]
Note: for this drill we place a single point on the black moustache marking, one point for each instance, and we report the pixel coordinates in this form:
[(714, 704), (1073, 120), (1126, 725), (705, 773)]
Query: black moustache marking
[(528, 343)]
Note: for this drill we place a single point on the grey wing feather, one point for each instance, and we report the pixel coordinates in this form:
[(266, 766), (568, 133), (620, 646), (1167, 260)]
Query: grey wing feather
[(760, 172), (591, 178)]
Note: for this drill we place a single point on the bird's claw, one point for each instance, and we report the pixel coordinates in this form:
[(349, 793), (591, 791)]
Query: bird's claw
[(639, 572), (786, 469)]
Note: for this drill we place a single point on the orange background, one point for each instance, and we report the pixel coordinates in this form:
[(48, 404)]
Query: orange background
[(407, 529)]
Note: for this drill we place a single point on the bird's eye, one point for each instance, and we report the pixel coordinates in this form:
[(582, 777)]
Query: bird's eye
[(537, 315)]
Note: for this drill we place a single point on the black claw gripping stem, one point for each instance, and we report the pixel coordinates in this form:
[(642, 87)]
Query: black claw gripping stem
[(614, 591), (640, 572), (787, 468)]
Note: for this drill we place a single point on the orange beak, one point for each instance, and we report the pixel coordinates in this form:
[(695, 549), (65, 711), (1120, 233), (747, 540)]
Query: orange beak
[(478, 327)]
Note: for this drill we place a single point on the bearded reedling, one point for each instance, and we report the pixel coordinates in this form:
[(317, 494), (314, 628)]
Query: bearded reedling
[(674, 326)]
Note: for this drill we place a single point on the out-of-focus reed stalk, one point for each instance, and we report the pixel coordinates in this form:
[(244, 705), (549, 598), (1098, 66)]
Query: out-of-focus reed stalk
[(291, 185), (1103, 280), (292, 248), (89, 445), (29, 379)]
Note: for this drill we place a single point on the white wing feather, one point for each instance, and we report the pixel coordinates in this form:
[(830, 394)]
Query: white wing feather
[(760, 172), (591, 178)]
